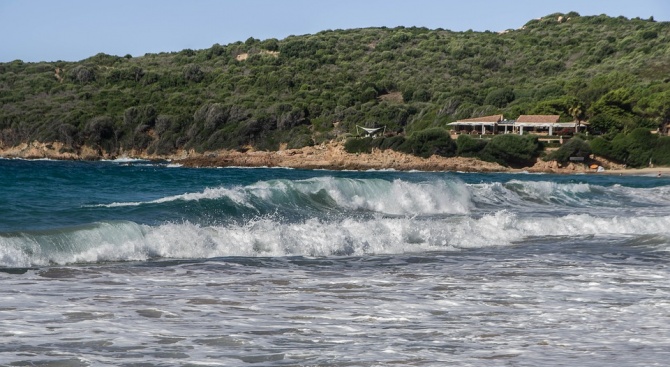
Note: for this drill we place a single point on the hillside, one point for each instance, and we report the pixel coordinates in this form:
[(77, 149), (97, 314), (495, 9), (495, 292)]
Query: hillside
[(304, 90)]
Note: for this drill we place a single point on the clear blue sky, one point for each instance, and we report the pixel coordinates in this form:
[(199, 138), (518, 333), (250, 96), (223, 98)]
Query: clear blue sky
[(71, 30)]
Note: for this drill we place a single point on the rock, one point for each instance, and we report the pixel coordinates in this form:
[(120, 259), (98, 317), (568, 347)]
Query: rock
[(328, 155)]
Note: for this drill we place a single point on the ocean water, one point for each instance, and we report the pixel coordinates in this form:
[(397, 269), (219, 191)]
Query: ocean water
[(132, 263)]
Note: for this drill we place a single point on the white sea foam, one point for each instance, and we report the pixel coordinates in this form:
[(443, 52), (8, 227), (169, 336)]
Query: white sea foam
[(401, 197), (235, 194), (127, 241), (124, 160), (395, 198)]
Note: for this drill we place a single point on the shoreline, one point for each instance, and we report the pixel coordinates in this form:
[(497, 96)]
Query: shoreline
[(329, 156)]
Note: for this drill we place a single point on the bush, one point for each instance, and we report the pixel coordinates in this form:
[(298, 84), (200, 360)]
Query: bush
[(403, 79), (619, 150), (467, 146), (82, 74), (639, 145), (635, 149), (574, 147), (661, 153), (424, 143), (500, 97), (512, 150), (357, 145), (602, 147), (99, 132), (193, 73), (393, 142), (299, 137)]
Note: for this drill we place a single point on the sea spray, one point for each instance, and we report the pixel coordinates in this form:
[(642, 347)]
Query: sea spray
[(397, 197), (268, 236)]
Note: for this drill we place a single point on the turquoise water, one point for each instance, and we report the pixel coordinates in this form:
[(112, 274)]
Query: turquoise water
[(128, 262)]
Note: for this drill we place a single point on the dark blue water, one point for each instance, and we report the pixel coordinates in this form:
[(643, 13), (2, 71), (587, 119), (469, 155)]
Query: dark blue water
[(51, 194)]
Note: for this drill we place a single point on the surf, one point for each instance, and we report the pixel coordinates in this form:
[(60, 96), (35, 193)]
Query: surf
[(269, 236), (397, 197)]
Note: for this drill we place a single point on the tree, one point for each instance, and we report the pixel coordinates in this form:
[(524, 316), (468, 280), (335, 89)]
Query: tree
[(193, 73), (82, 74), (659, 109), (500, 97), (576, 110), (613, 111)]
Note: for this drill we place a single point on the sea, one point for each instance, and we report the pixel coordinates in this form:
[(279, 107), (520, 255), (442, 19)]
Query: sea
[(138, 263)]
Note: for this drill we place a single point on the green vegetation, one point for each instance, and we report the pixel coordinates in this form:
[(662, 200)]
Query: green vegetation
[(510, 150), (575, 147), (639, 148), (304, 90), (513, 150)]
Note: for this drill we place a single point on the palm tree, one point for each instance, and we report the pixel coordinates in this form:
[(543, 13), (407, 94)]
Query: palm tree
[(577, 113)]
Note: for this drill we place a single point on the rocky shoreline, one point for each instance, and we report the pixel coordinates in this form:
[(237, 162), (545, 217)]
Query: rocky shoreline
[(325, 156)]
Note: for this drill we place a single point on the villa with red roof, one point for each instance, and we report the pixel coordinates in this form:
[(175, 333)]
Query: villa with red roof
[(496, 124), (478, 125)]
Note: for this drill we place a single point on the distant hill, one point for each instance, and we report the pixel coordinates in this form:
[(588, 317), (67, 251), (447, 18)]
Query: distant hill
[(304, 90)]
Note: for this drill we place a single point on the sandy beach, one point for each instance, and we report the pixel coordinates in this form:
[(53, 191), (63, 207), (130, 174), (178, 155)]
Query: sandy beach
[(649, 171)]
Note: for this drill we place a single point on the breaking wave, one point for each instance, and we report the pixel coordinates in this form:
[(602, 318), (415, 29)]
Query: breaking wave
[(129, 241), (452, 196), (396, 197)]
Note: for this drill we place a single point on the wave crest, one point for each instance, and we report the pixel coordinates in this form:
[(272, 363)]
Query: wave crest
[(396, 197), (128, 241)]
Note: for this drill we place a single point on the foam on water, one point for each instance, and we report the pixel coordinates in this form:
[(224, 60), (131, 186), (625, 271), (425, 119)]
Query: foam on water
[(236, 195), (524, 195), (395, 198), (275, 267), (128, 241), (124, 160), (407, 198)]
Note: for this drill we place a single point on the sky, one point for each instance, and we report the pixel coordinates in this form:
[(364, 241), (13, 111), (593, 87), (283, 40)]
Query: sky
[(72, 30)]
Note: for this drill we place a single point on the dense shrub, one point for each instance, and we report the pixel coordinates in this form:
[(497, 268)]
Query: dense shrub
[(634, 149), (393, 142), (469, 147), (619, 150), (422, 143), (601, 147), (661, 152), (99, 133), (435, 141), (500, 97), (574, 147), (358, 145), (512, 150), (638, 146), (300, 137)]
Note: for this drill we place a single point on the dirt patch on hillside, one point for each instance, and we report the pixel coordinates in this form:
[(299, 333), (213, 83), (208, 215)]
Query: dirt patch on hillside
[(395, 97)]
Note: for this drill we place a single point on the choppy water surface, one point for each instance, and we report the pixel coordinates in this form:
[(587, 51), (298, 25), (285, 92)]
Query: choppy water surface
[(145, 264)]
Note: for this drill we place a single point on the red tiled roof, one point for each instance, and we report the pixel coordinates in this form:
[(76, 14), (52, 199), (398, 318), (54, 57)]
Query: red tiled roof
[(492, 118), (538, 118)]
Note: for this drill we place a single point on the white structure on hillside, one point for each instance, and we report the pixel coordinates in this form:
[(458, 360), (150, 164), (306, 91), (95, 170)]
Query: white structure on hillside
[(495, 124)]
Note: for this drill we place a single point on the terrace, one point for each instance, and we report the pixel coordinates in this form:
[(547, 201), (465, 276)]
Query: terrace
[(547, 126)]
